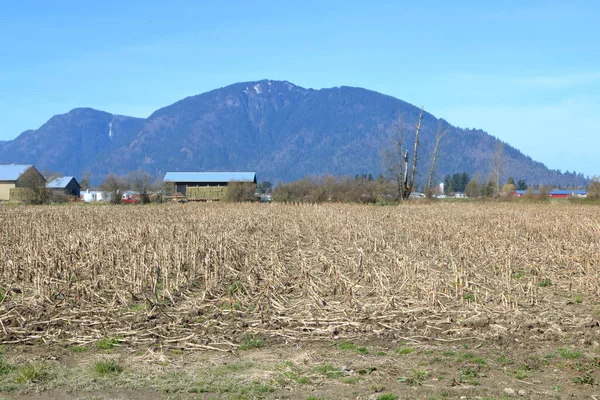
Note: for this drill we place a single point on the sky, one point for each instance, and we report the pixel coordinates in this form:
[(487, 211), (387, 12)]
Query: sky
[(527, 72)]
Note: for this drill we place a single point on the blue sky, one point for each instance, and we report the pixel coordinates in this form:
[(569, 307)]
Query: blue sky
[(527, 72)]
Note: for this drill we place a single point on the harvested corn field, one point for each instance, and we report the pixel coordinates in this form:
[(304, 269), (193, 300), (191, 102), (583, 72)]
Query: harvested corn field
[(217, 277)]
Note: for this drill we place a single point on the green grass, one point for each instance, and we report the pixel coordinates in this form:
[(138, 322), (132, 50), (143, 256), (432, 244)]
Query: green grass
[(350, 380), (415, 377), (587, 379), (232, 368), (387, 396), (346, 346), (352, 346), (234, 389), (2, 294), (523, 372), (236, 287), (470, 357), (107, 343), (469, 376), (469, 296), (107, 367), (329, 371), (31, 373), (138, 307), (545, 283), (251, 342), (569, 354), (504, 360), (5, 368), (518, 274), (404, 350)]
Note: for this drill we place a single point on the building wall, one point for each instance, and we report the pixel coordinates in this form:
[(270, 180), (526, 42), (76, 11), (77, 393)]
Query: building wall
[(73, 189), (5, 190), (182, 186)]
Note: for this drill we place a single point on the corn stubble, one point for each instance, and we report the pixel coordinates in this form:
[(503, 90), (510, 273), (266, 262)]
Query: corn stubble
[(201, 276)]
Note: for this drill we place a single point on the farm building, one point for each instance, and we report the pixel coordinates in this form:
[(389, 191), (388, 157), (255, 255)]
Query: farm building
[(15, 176), (555, 194), (563, 194), (90, 196), (66, 185), (206, 185)]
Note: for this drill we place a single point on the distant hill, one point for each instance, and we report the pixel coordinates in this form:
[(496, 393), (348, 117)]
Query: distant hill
[(280, 130)]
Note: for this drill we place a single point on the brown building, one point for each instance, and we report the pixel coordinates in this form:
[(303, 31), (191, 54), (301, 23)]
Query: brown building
[(18, 176), (185, 180)]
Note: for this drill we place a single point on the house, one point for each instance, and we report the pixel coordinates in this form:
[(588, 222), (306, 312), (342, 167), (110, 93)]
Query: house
[(66, 185), (206, 185), (90, 196), (16, 176)]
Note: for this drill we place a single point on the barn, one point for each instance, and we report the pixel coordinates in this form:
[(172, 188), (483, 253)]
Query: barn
[(14, 176), (66, 185), (209, 184), (555, 194), (563, 194)]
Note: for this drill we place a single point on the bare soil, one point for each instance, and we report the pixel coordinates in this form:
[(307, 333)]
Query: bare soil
[(230, 301)]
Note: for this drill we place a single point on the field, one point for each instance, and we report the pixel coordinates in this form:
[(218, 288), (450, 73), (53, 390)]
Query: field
[(185, 301)]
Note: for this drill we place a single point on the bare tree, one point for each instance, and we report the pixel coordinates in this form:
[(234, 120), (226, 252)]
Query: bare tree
[(85, 180), (33, 186), (496, 167), (141, 182), (438, 139), (392, 155), (163, 190), (594, 188), (396, 160), (114, 186)]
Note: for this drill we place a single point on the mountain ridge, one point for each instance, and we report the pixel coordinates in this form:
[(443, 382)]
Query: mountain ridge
[(279, 129)]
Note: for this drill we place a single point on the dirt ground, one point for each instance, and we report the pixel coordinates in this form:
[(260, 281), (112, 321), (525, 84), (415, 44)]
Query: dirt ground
[(516, 365), (227, 301)]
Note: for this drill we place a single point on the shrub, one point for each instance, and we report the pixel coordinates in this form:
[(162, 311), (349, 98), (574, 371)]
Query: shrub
[(544, 193), (330, 189), (240, 191), (594, 188)]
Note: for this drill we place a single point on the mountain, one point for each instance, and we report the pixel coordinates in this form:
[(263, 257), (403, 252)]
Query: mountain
[(280, 130), (70, 143)]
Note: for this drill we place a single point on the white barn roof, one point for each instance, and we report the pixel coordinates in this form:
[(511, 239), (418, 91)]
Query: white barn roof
[(60, 183), (12, 172), (210, 176)]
